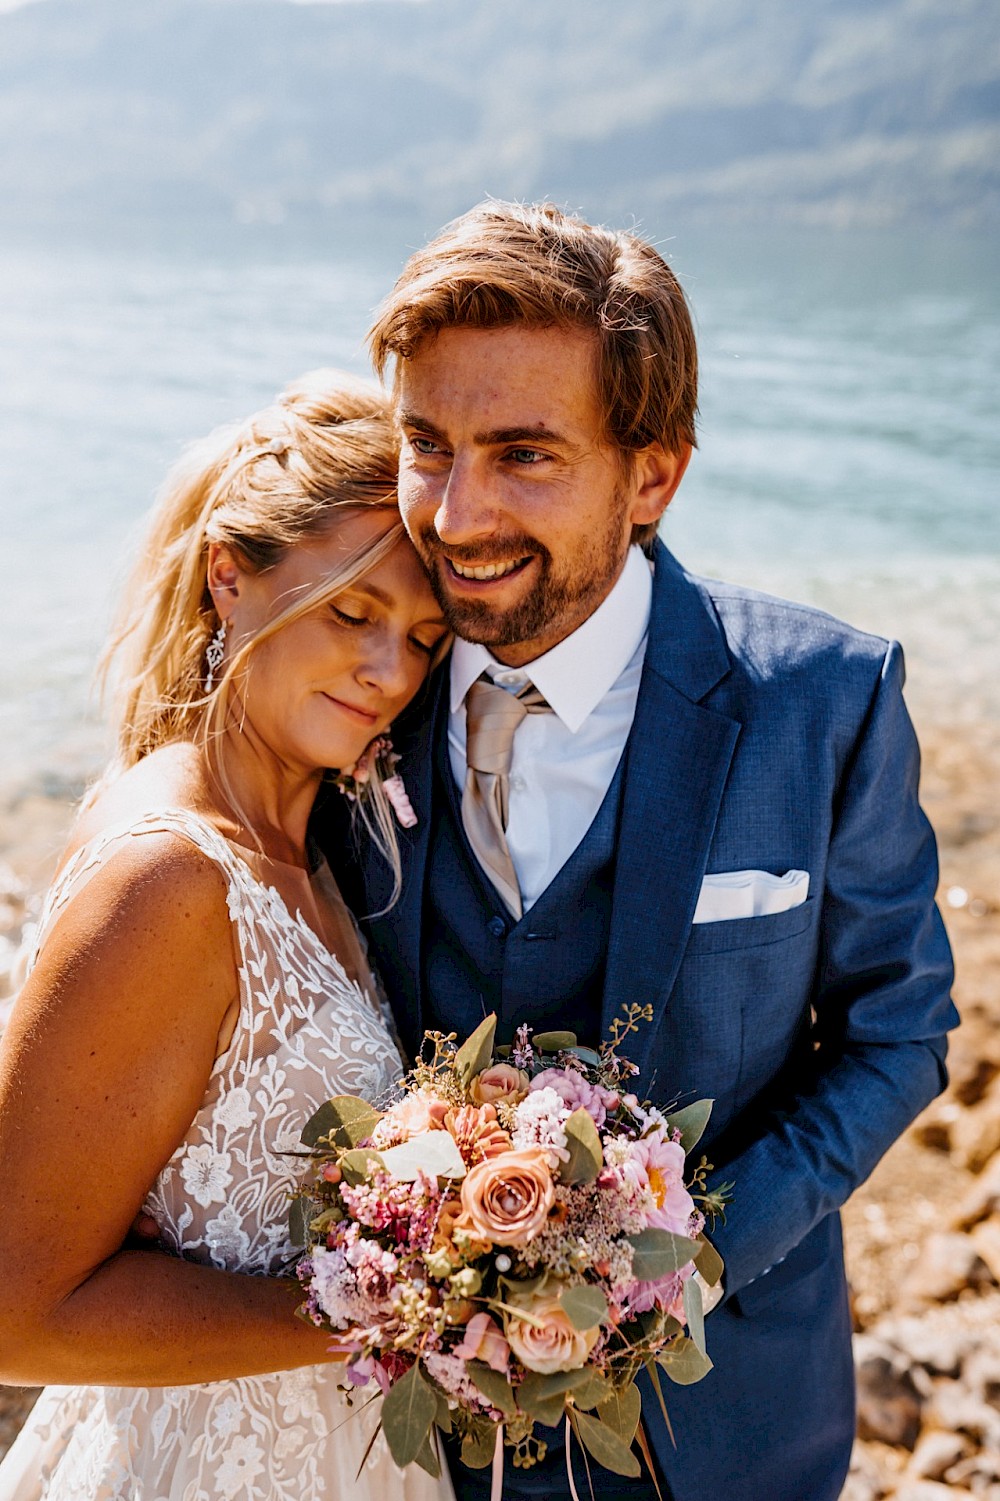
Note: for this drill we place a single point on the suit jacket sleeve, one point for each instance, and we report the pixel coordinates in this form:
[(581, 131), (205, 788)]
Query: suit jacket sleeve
[(881, 999)]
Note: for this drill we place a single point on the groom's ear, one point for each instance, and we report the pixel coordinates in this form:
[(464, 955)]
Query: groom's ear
[(223, 578), (655, 476)]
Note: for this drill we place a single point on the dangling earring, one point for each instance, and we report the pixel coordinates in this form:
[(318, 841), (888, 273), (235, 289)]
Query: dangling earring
[(214, 653)]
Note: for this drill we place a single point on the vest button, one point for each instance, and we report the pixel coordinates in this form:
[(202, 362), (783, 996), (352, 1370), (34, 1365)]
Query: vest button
[(497, 927)]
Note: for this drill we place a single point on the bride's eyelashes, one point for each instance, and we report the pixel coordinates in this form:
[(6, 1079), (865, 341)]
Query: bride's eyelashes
[(343, 618)]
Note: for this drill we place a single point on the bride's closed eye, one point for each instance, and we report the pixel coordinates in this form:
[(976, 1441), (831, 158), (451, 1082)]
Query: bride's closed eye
[(343, 618)]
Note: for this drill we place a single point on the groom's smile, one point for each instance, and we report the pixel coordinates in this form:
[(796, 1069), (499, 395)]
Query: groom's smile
[(520, 507)]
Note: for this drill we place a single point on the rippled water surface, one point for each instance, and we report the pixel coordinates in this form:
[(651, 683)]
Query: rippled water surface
[(849, 453)]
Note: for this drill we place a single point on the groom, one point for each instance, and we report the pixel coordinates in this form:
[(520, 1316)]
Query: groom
[(704, 801)]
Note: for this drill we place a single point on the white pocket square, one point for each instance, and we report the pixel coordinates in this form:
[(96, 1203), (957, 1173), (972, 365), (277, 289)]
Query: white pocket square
[(749, 893)]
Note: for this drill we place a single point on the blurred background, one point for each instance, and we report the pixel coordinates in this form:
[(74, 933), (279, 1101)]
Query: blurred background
[(201, 199)]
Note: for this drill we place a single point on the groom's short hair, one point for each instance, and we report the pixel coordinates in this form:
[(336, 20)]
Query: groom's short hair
[(507, 263)]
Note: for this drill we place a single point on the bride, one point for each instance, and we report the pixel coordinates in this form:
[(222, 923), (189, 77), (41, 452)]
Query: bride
[(198, 987)]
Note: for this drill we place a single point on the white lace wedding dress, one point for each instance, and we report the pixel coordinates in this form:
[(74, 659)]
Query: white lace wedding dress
[(306, 1031)]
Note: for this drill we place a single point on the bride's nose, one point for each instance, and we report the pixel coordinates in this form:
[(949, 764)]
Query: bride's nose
[(385, 664)]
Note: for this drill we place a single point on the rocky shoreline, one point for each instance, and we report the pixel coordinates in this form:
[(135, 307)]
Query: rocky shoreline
[(923, 1234)]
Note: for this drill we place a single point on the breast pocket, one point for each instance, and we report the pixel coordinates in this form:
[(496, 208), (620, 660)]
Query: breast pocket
[(750, 932), (757, 969)]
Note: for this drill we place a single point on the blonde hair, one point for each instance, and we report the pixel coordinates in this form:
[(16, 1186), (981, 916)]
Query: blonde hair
[(260, 487), (507, 263)]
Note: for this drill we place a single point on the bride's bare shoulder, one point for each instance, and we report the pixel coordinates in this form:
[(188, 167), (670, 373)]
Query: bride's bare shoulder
[(168, 778), (142, 920)]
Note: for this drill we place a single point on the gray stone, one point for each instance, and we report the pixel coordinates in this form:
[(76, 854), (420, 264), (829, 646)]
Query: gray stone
[(889, 1404)]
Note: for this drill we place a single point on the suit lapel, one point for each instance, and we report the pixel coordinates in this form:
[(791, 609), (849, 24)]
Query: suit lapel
[(677, 762)]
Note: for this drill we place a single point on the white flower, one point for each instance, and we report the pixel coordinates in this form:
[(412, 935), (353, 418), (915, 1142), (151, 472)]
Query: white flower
[(227, 1241), (227, 1416), (240, 1467), (289, 1442), (539, 1123), (233, 1110), (205, 1174), (297, 1395)]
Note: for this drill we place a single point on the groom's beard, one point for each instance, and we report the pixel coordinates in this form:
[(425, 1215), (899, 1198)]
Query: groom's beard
[(556, 598)]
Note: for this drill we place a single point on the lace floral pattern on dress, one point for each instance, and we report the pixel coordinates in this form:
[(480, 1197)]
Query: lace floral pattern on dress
[(305, 1031)]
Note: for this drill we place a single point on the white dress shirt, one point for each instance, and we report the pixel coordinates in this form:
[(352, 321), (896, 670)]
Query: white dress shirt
[(564, 762)]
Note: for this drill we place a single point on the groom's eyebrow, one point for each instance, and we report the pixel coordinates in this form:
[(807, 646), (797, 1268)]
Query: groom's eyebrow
[(492, 437)]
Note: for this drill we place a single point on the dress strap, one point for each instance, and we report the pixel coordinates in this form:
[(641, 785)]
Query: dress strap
[(86, 861)]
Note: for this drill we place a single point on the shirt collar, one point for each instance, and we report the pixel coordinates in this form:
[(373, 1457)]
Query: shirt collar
[(577, 674)]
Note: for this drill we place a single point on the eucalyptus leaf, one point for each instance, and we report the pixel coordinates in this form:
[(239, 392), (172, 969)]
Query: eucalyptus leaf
[(708, 1261), (584, 1306), (550, 1412), (605, 1445), (357, 1165), (654, 1378), (442, 1416), (553, 1042), (586, 1156), (478, 1447), (684, 1363), (585, 1055), (299, 1214), (427, 1456), (407, 1415), (346, 1120), (694, 1313), (658, 1253), (691, 1123), (592, 1390), (621, 1411), (476, 1053), (536, 1389), (321, 1123), (493, 1384)]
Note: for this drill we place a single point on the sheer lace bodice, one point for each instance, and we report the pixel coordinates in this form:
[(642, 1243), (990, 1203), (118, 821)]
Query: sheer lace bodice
[(305, 1031)]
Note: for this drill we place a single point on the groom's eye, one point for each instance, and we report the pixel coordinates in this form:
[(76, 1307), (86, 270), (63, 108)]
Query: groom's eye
[(526, 455), (426, 446)]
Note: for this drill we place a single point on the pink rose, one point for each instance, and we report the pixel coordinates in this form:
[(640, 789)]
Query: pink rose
[(484, 1341), (576, 1092), (507, 1199), (500, 1082), (546, 1340)]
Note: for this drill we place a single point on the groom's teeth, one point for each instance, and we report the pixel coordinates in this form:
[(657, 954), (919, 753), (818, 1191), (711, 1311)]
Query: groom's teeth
[(487, 570)]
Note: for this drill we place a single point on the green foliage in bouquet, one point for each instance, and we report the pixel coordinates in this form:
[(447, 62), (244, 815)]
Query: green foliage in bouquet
[(509, 1244)]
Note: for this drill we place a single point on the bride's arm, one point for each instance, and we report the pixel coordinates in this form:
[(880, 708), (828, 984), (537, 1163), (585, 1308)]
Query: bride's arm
[(102, 1068)]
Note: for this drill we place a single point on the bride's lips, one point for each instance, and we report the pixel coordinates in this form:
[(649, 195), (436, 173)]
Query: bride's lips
[(483, 585), (360, 716)]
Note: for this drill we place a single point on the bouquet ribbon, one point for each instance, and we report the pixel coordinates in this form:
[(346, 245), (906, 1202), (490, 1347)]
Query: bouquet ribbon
[(496, 1486)]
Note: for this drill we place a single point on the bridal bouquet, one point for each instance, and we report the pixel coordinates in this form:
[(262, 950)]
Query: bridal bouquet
[(508, 1245)]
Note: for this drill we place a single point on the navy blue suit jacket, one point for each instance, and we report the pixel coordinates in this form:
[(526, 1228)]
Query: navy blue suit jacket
[(767, 736)]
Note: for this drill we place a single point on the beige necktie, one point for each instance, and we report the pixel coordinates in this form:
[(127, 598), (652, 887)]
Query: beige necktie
[(492, 716)]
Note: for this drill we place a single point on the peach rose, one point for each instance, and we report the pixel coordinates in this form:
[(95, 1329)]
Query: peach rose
[(507, 1199), (546, 1340), (500, 1082)]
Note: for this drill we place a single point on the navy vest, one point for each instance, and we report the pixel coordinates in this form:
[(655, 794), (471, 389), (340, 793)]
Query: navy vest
[(546, 970)]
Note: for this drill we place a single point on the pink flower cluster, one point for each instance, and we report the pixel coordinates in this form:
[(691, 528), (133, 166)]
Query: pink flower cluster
[(490, 1220), (577, 1093)]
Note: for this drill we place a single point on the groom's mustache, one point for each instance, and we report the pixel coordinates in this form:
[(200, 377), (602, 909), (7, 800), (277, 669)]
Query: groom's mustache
[(508, 549)]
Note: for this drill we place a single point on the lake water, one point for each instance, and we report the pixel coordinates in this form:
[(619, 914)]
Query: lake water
[(849, 453)]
